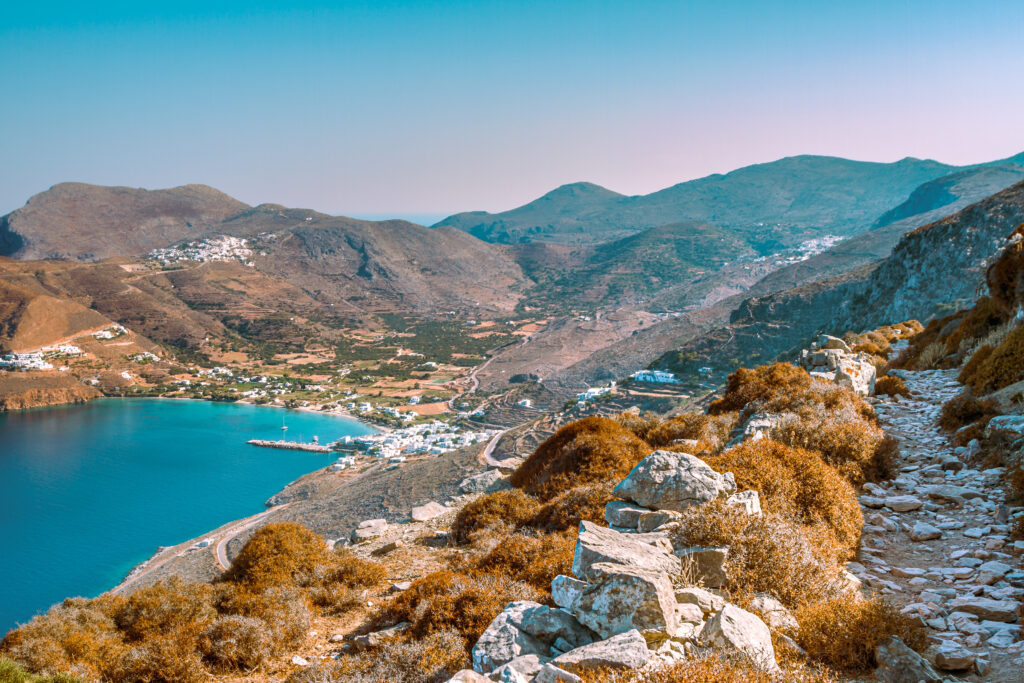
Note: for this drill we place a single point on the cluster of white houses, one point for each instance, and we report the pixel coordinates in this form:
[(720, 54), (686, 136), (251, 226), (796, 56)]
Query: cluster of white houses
[(222, 248), (40, 358), (433, 437)]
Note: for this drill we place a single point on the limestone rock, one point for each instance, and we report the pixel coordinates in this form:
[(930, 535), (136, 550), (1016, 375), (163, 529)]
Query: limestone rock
[(551, 624), (903, 503), (624, 651), (673, 481), (826, 341), (502, 641), (986, 608), (897, 663), (954, 657), (468, 676), (549, 673), (377, 638), (923, 531), (652, 520), (625, 515), (565, 590), (370, 528), (773, 612), (599, 544), (621, 598), (423, 513), (707, 601), (705, 564), (485, 482), (748, 501), (737, 628), (519, 669)]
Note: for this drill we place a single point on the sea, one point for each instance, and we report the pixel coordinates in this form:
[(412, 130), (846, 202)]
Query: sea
[(89, 491)]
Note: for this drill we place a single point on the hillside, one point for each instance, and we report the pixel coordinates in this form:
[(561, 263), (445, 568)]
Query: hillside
[(779, 204), (90, 222)]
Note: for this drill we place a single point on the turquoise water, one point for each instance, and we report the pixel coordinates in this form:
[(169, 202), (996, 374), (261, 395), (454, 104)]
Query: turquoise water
[(87, 492)]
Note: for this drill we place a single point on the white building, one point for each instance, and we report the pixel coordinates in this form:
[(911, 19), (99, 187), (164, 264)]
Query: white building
[(655, 377)]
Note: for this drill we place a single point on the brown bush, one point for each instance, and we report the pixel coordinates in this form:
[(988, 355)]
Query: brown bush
[(710, 430), (172, 658), (1002, 366), (929, 336), (768, 553), (154, 611), (432, 659), (280, 554), (712, 667), (591, 450), (796, 483), (969, 372), (567, 510), (975, 324), (1005, 277), (236, 643), (353, 571), (960, 411), (285, 611), (843, 632), (12, 672), (446, 600), (760, 384), (532, 560), (512, 507), (891, 386), (843, 438), (640, 425)]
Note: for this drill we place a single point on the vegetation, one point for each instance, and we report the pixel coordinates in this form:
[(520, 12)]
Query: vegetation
[(512, 508), (891, 386)]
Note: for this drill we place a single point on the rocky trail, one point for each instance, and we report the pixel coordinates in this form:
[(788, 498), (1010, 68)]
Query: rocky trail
[(937, 539)]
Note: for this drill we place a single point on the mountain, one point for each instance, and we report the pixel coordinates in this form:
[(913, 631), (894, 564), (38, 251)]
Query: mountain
[(90, 222)]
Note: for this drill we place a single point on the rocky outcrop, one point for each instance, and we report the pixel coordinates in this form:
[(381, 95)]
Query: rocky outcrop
[(830, 358), (23, 390), (674, 481)]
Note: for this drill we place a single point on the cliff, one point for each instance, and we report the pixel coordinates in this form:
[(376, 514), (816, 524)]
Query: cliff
[(22, 390)]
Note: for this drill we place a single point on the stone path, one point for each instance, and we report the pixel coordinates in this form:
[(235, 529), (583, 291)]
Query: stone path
[(937, 541)]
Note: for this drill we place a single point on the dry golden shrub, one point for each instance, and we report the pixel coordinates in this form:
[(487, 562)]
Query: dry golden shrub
[(534, 560), (768, 553), (760, 384), (1000, 367), (285, 611), (567, 510), (714, 667), (960, 411), (969, 371), (591, 450), (432, 659), (173, 658), (12, 672), (353, 571), (712, 431), (975, 324), (153, 611), (640, 424), (512, 508), (891, 386), (843, 438), (843, 632), (279, 554), (919, 342), (1005, 277), (796, 483), (236, 643)]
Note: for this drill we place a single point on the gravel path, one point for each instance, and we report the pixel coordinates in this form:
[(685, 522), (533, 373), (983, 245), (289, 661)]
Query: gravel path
[(937, 541)]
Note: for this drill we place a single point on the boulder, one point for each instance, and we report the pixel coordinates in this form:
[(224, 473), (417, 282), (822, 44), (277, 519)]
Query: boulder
[(826, 341), (599, 544), (706, 565), (370, 528), (986, 608), (773, 612), (468, 676), (707, 601), (485, 482), (857, 373), (549, 673), (519, 669), (748, 501), (621, 598), (565, 590), (688, 613), (502, 640), (902, 503), (953, 657), (550, 624), (377, 638), (653, 520), (622, 514), (897, 663), (736, 628), (424, 513), (673, 481), (624, 651), (757, 426), (923, 531)]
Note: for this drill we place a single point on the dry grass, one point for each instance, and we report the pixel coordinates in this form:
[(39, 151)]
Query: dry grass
[(534, 560), (961, 411), (842, 436), (591, 450), (891, 386), (908, 358), (711, 431), (567, 510), (844, 631), (769, 553), (1005, 277), (510, 508), (11, 672), (432, 659), (999, 367), (798, 484), (716, 667), (761, 384), (976, 323)]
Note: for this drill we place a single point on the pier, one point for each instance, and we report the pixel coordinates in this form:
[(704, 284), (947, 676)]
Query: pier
[(291, 445)]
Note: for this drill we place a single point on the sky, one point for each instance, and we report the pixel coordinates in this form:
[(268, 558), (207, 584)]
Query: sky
[(421, 109)]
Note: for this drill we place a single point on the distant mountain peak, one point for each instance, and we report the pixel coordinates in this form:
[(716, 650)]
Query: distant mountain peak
[(580, 189)]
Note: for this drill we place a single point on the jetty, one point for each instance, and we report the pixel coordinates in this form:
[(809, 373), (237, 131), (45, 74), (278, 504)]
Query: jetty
[(291, 445)]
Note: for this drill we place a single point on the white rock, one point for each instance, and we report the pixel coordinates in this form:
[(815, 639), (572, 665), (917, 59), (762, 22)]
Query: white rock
[(737, 628), (620, 599), (423, 513), (673, 481), (923, 531), (565, 590), (599, 544), (902, 503), (299, 661), (624, 651), (622, 514), (773, 612), (370, 528), (502, 640), (748, 501)]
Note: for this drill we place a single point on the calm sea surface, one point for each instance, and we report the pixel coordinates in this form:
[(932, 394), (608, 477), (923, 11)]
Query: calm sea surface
[(87, 492)]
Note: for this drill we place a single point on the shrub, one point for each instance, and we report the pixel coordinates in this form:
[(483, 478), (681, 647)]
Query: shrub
[(711, 667), (843, 632), (798, 484), (760, 384), (891, 386), (236, 643), (156, 610), (591, 450), (511, 507), (1005, 277), (842, 438), (919, 342), (931, 356), (11, 672), (768, 553), (352, 571), (961, 411), (640, 425), (532, 560), (285, 611), (279, 554), (567, 510), (711, 431), (447, 600), (1001, 367), (173, 657), (432, 659), (976, 323)]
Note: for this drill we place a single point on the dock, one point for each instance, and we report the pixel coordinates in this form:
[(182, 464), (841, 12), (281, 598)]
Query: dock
[(291, 445)]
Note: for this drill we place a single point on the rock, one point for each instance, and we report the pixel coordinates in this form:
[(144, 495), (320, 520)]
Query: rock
[(689, 613), (400, 586), (706, 565), (299, 661), (468, 676), (994, 570), (549, 673), (857, 373), (502, 640), (550, 625), (987, 608), (748, 501), (621, 598), (377, 638), (773, 612), (625, 515), (673, 481), (370, 528), (519, 669), (757, 426), (829, 342), (902, 503), (565, 590), (653, 520), (740, 630), (897, 663), (923, 531), (599, 544), (624, 651), (424, 513), (485, 482), (872, 501), (953, 657), (707, 601)]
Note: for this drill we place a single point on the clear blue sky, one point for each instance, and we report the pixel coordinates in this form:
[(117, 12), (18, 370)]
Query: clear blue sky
[(435, 107)]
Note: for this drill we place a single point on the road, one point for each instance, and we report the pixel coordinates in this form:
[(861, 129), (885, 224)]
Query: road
[(221, 549), (485, 454)]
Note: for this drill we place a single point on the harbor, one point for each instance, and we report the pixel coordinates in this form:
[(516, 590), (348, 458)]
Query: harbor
[(313, 447)]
